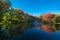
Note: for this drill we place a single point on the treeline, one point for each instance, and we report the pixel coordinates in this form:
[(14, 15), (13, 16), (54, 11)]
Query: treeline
[(52, 21), (13, 21)]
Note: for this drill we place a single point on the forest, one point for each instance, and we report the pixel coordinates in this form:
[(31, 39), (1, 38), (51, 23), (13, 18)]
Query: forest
[(15, 21)]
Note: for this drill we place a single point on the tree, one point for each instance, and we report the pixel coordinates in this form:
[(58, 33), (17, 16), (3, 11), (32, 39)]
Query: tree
[(58, 19), (4, 6)]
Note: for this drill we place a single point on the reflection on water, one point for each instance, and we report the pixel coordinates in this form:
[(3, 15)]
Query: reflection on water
[(44, 33), (39, 34), (47, 27), (51, 28), (57, 26), (35, 34)]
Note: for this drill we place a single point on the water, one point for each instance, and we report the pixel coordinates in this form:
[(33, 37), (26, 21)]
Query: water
[(56, 35), (35, 34), (38, 34)]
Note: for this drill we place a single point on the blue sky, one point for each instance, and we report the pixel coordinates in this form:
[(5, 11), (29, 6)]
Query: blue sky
[(37, 7)]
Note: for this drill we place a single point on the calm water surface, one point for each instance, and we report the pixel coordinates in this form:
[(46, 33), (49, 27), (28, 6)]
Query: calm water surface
[(38, 34)]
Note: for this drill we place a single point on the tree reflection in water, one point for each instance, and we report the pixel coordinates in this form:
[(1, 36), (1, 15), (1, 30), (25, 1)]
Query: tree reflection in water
[(50, 28)]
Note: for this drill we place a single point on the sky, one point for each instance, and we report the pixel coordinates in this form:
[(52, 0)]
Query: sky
[(37, 7)]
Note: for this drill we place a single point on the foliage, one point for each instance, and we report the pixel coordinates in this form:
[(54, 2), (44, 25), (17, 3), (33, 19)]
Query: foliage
[(54, 20), (13, 21)]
